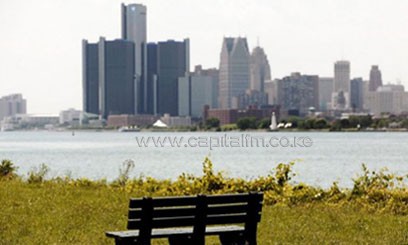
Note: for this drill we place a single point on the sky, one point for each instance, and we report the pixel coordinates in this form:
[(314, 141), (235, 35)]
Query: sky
[(41, 52)]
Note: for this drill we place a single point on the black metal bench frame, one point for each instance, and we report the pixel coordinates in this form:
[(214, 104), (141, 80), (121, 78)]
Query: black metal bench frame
[(187, 220)]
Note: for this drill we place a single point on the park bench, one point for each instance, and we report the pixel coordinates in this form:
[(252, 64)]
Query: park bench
[(187, 220)]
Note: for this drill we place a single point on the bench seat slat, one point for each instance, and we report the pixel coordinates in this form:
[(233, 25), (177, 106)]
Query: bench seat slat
[(189, 211), (161, 233), (218, 219)]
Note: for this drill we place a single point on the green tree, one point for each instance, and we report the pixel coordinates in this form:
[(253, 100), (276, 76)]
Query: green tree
[(345, 123), (320, 123), (212, 122), (264, 123), (246, 123), (336, 125), (354, 121), (296, 121), (382, 123), (366, 121)]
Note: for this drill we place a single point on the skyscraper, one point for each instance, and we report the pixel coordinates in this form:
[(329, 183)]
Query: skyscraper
[(116, 77), (173, 61), (134, 29), (195, 91), (375, 78), (356, 94), (90, 77), (260, 69), (341, 85), (325, 92), (234, 70), (297, 93), (108, 77), (271, 92), (151, 78)]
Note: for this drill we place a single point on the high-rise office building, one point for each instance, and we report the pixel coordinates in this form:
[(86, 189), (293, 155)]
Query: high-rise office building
[(234, 70), (11, 105), (134, 29), (151, 78), (173, 61), (194, 92), (325, 92), (271, 92), (390, 98), (116, 77), (215, 75), (356, 94), (260, 69), (375, 78), (108, 79), (90, 77), (297, 93), (341, 85)]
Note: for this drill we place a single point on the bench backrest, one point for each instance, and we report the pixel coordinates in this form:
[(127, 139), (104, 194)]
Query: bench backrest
[(196, 211)]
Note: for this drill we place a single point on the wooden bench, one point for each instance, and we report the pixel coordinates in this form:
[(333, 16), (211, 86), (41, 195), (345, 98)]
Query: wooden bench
[(187, 220)]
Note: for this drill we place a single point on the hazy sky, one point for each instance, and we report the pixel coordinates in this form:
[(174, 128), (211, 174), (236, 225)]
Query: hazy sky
[(40, 45)]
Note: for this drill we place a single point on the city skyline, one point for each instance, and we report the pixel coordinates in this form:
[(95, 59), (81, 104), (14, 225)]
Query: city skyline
[(41, 50)]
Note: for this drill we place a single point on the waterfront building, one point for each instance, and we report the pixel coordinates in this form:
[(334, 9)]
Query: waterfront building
[(234, 70), (134, 29), (173, 61), (194, 92), (297, 93), (139, 120), (325, 92), (271, 92), (341, 85), (260, 69), (71, 117), (356, 94), (116, 77), (228, 116), (375, 78), (11, 105), (388, 99)]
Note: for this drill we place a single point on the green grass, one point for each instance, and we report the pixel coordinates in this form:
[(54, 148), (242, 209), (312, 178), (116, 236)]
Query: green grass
[(60, 213)]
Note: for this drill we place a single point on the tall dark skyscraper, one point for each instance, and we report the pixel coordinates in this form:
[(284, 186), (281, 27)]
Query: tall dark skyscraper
[(116, 77), (134, 29), (356, 94), (173, 61), (151, 77), (90, 77), (375, 79), (108, 79), (127, 76)]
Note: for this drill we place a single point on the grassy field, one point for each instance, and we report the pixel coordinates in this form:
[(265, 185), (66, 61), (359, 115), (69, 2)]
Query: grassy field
[(62, 210), (59, 213)]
